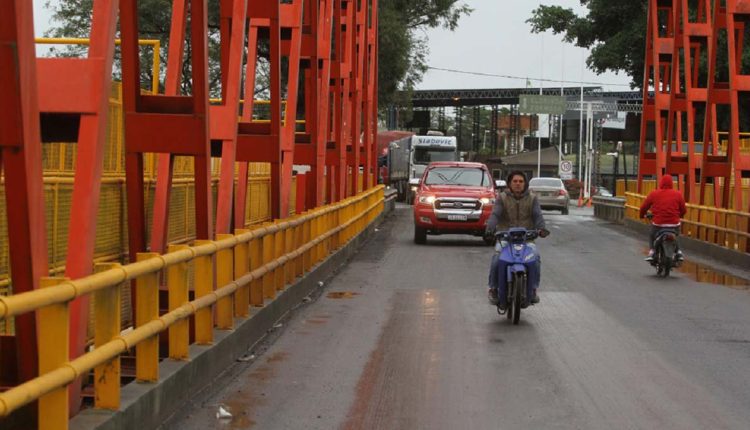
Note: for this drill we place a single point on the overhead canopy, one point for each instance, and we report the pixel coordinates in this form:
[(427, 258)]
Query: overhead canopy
[(505, 96), (550, 157)]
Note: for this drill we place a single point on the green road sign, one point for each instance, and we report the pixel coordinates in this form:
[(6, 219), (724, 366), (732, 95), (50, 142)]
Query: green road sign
[(536, 104)]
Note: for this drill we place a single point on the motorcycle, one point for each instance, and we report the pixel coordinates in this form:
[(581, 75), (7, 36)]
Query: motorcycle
[(665, 251), (518, 253)]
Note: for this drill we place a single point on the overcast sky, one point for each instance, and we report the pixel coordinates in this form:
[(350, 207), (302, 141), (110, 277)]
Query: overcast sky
[(495, 39)]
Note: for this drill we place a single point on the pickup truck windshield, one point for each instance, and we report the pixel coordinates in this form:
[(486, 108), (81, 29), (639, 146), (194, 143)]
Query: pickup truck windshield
[(463, 176), (427, 155)]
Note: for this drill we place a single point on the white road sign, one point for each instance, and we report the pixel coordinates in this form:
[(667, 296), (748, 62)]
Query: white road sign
[(566, 170)]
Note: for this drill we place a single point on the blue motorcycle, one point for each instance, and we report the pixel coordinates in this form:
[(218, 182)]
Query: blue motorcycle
[(518, 253)]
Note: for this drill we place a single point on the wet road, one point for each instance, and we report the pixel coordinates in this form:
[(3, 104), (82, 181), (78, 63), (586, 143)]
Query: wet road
[(403, 338)]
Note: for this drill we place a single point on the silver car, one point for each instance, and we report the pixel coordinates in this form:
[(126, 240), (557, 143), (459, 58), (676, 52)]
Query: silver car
[(551, 193)]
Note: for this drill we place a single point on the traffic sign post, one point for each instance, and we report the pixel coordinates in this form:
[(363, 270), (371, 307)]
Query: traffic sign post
[(566, 170)]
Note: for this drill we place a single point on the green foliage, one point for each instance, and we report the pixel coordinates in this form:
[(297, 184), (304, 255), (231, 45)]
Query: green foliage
[(403, 51), (614, 30)]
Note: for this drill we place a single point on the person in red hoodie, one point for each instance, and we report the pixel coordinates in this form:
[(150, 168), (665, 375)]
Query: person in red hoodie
[(667, 206)]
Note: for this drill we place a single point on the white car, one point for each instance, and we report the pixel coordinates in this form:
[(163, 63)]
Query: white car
[(551, 193)]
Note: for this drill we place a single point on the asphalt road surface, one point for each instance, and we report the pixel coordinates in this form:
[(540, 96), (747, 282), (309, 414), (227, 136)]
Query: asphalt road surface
[(403, 338)]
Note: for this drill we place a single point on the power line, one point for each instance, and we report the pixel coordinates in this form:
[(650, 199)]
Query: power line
[(493, 75)]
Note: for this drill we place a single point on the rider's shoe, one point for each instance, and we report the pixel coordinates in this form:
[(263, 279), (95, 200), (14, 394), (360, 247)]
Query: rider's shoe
[(650, 256), (535, 299), (679, 256), (492, 296)]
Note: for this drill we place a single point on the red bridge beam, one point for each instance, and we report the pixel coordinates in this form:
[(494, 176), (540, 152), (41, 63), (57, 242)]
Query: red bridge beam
[(678, 34), (21, 162), (331, 49)]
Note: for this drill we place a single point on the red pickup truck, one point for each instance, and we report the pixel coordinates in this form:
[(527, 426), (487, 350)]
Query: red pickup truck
[(453, 197)]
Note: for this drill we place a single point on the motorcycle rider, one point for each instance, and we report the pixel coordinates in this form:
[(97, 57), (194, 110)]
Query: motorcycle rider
[(515, 207), (668, 207)]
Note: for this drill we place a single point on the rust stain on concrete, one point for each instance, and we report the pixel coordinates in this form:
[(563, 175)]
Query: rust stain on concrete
[(341, 295)]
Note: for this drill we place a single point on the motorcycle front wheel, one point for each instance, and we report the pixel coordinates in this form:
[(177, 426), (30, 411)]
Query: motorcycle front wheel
[(519, 284)]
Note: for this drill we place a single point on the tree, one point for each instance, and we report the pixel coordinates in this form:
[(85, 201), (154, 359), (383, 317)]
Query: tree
[(615, 32), (403, 51)]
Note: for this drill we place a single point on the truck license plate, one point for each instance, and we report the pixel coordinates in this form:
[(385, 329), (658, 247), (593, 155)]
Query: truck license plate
[(457, 217)]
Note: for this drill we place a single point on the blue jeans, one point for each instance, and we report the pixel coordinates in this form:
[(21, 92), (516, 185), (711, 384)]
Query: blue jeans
[(498, 274)]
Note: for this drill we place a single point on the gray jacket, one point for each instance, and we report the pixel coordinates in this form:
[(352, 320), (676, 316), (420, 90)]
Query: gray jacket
[(502, 217)]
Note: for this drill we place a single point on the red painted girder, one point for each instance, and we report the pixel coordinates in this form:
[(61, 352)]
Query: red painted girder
[(92, 138), (165, 164), (225, 126), (21, 159)]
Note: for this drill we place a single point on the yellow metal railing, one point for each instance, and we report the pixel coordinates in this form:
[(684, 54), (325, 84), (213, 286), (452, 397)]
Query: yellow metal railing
[(249, 268), (723, 227)]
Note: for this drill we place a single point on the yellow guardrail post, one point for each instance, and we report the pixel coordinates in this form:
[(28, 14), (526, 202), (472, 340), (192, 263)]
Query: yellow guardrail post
[(256, 262), (241, 267), (338, 215), (224, 275), (178, 290), (269, 288), (318, 230), (147, 310), (334, 239), (299, 263), (364, 205), (331, 223), (289, 266), (106, 328), (203, 286), (278, 247), (721, 221), (306, 238), (53, 333), (360, 207), (347, 217)]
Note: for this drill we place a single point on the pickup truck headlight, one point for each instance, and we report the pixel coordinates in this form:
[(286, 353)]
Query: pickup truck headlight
[(487, 201), (428, 200)]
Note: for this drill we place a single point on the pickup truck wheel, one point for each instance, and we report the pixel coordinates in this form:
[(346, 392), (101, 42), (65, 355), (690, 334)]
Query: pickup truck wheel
[(420, 235)]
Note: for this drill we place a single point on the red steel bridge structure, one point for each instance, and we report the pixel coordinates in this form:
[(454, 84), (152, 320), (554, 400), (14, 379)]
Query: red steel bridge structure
[(330, 47), (688, 103)]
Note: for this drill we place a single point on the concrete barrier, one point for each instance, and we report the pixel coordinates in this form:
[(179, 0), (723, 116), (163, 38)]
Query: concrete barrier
[(391, 195), (147, 405), (610, 208)]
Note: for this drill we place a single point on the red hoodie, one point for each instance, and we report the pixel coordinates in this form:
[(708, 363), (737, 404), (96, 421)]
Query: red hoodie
[(666, 203)]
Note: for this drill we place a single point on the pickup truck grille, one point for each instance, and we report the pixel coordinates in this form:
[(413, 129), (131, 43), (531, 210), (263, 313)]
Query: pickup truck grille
[(458, 203)]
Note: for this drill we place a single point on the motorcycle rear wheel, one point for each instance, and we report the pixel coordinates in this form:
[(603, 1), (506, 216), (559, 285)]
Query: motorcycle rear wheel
[(663, 263)]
